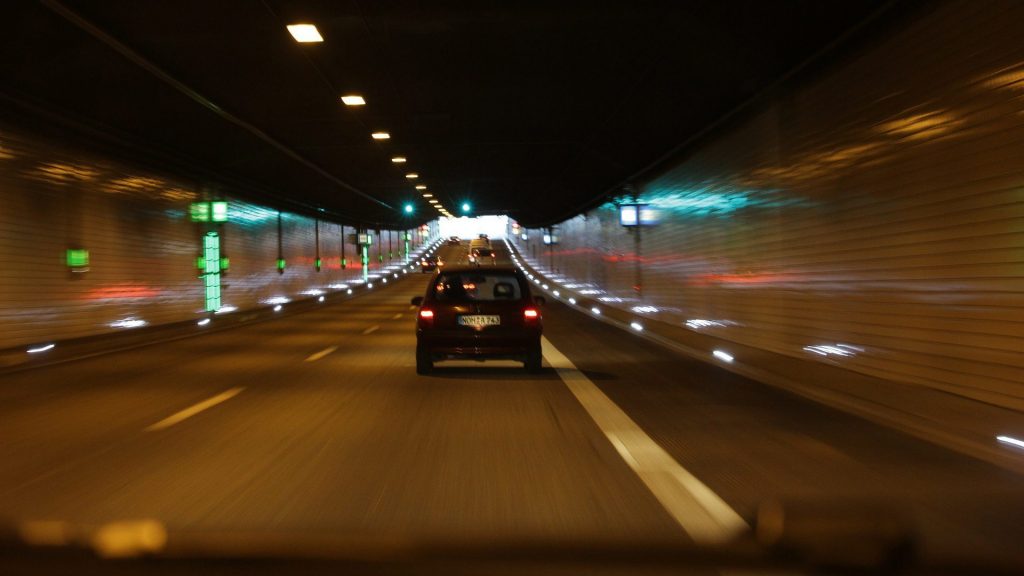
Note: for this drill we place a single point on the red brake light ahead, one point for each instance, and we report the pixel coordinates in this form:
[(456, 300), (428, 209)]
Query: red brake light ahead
[(531, 314), (425, 318)]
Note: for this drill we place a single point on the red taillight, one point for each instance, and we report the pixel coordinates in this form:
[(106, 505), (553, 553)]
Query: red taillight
[(531, 314), (425, 318)]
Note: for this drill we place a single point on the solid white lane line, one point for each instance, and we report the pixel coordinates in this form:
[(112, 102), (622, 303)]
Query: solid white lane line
[(194, 409), (396, 316), (371, 330), (321, 354), (701, 512)]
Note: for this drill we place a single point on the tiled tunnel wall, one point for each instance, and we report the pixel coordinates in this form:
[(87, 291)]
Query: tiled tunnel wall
[(143, 246), (879, 207)]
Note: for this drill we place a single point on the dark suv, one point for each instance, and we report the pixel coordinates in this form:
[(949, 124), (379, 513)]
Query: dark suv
[(477, 313)]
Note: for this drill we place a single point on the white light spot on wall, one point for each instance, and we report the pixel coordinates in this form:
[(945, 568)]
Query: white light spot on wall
[(41, 349), (128, 323), (637, 326), (833, 350), (1011, 441), (724, 356)]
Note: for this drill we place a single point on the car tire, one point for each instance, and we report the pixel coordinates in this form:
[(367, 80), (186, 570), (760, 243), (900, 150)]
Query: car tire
[(424, 364), (533, 360)]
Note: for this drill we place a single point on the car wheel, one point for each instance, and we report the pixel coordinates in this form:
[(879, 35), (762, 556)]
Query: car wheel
[(533, 360), (424, 364)]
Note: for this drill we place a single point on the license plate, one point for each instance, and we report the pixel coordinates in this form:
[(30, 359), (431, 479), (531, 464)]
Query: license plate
[(480, 320)]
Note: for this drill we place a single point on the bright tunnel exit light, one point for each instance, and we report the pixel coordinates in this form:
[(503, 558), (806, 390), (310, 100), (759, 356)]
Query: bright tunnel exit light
[(724, 356)]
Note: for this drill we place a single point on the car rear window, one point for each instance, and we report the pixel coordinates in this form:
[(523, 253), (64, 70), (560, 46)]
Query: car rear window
[(477, 287)]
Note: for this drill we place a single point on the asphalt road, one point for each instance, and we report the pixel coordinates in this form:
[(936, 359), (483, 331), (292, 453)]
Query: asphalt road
[(316, 423)]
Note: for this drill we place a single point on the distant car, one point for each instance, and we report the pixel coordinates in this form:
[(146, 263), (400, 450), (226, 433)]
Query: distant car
[(480, 256), (475, 313), (479, 243), (454, 241), (483, 237), (430, 263)]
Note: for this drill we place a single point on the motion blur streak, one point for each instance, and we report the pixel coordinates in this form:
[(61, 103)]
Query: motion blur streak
[(1010, 440)]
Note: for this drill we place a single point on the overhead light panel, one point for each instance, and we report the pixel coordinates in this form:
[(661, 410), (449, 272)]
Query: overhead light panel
[(412, 175), (381, 136), (305, 33), (428, 195), (398, 159), (353, 100), (421, 186)]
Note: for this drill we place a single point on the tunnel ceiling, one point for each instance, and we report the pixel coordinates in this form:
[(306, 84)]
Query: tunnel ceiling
[(525, 108)]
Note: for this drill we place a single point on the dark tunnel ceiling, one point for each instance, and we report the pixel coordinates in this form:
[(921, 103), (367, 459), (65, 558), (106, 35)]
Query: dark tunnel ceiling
[(525, 108)]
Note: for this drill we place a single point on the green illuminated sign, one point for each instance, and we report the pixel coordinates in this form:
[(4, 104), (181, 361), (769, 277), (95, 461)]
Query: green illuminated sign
[(280, 263), (211, 270), (318, 263), (219, 211), (366, 263), (209, 211), (77, 258)]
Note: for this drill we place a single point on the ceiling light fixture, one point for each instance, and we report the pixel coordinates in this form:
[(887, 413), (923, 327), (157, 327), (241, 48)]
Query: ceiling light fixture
[(412, 175), (421, 186), (428, 195), (398, 159), (305, 33), (353, 100), (381, 136)]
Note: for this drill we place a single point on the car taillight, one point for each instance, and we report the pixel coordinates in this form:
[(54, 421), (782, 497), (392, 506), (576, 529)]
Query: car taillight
[(426, 318), (531, 314)]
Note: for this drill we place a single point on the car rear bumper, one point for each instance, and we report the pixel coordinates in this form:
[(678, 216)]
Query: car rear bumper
[(477, 347)]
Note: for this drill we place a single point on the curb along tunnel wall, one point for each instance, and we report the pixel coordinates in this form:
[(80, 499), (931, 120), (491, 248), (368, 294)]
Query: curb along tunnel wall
[(879, 206)]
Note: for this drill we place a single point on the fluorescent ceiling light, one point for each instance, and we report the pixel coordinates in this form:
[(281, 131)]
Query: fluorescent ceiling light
[(305, 33), (353, 100), (398, 159), (428, 195), (421, 186), (412, 175), (381, 135)]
